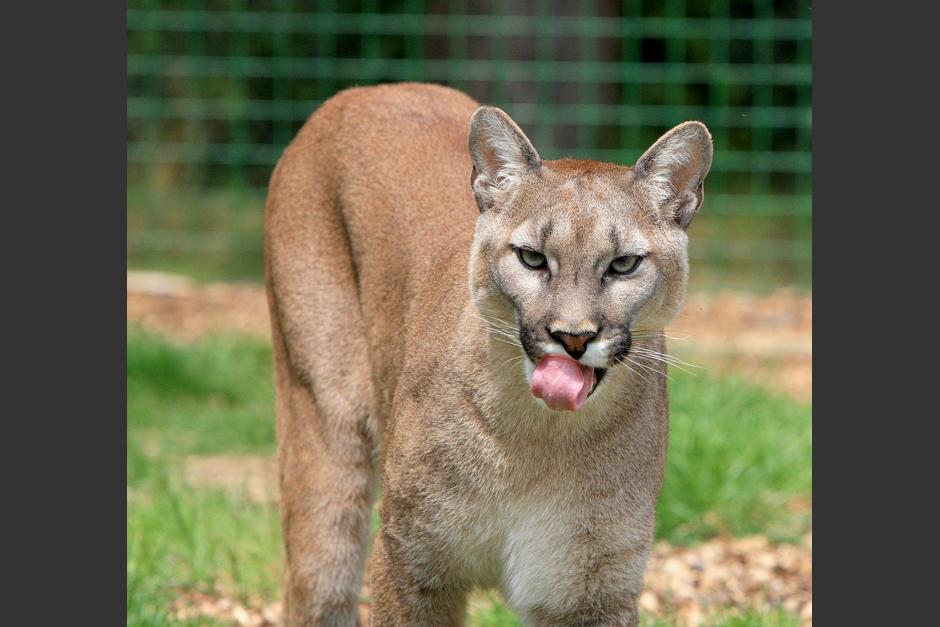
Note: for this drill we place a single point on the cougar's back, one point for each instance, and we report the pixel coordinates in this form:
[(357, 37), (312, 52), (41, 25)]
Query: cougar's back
[(369, 195)]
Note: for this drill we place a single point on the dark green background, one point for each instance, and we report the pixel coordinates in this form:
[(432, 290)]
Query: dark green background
[(217, 89)]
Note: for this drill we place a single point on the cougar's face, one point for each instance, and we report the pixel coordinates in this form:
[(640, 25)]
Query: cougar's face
[(580, 259), (577, 264)]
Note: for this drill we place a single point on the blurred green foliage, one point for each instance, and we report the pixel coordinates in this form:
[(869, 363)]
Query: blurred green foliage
[(217, 89)]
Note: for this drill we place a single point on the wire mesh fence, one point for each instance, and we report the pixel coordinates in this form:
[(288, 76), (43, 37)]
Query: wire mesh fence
[(216, 90)]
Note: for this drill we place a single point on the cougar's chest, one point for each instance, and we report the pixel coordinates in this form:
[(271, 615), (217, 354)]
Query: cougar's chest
[(521, 543), (541, 550)]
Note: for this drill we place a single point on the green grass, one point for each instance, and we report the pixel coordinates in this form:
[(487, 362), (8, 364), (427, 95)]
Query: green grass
[(179, 538), (214, 397), (210, 398), (737, 456), (490, 612)]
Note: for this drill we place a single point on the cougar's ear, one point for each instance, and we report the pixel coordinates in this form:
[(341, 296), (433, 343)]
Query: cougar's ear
[(673, 171), (501, 153)]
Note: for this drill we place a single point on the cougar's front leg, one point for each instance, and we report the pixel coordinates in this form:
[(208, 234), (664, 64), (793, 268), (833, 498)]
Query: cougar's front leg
[(409, 594), (573, 568), (625, 614)]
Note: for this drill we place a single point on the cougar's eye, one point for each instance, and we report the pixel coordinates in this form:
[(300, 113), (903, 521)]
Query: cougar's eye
[(625, 265), (531, 259)]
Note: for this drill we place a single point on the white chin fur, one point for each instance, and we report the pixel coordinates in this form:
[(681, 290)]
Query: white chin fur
[(528, 368), (596, 355)]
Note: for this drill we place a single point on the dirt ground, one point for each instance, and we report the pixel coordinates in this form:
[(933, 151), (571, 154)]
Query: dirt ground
[(687, 585), (764, 338)]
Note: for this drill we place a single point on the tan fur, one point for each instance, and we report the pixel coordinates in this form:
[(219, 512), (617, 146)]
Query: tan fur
[(381, 269)]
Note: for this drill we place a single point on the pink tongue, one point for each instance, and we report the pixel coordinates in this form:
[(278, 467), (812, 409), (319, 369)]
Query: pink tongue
[(562, 382)]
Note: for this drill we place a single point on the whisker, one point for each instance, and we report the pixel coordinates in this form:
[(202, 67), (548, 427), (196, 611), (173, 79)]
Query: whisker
[(652, 353), (508, 336), (506, 332), (493, 325), (626, 360), (624, 363), (516, 359), (663, 357), (505, 341), (647, 333), (672, 359), (496, 322), (650, 368), (503, 336), (661, 360)]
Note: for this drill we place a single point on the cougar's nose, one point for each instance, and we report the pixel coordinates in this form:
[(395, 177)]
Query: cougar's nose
[(574, 344)]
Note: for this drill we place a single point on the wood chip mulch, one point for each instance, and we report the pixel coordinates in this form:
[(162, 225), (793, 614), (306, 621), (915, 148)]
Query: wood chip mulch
[(694, 585)]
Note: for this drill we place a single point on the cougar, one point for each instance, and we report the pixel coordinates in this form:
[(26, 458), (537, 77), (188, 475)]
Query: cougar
[(474, 330)]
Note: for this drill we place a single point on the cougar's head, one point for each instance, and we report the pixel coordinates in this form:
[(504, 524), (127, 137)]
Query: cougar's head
[(578, 259)]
